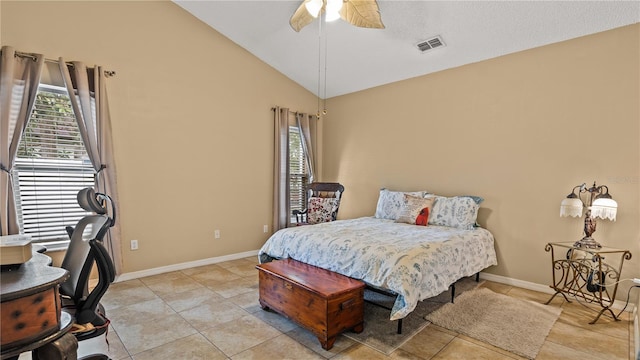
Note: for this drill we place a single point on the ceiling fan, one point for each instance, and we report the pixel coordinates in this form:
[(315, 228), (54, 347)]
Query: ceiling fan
[(361, 13)]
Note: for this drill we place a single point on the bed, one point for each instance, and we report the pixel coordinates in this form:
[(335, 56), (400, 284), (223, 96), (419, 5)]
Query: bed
[(410, 261)]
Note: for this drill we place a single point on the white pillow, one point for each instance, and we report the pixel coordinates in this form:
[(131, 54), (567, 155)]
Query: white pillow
[(459, 212), (391, 203)]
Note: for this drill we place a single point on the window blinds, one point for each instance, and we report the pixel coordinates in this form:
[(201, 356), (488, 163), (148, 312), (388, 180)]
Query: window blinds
[(50, 168), (298, 177)]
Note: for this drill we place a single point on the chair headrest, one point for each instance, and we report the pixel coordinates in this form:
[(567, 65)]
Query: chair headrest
[(89, 200)]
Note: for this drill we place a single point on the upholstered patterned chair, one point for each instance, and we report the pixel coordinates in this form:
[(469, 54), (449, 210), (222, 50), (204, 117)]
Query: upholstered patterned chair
[(323, 203)]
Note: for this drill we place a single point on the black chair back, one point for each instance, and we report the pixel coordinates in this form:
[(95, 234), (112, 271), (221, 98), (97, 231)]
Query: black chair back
[(86, 249)]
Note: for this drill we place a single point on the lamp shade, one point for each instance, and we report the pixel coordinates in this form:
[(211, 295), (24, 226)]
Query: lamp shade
[(571, 206), (604, 208), (333, 10), (314, 7), (332, 16)]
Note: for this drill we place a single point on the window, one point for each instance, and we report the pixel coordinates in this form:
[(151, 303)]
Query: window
[(298, 174), (51, 166)]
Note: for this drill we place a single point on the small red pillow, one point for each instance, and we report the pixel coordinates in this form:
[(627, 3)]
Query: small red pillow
[(423, 217)]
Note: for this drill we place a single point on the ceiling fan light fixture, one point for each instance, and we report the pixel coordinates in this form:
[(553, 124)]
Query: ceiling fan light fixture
[(314, 7), (360, 13), (333, 10), (332, 16)]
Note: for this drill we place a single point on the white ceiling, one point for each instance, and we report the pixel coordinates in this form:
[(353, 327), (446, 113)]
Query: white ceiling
[(360, 58)]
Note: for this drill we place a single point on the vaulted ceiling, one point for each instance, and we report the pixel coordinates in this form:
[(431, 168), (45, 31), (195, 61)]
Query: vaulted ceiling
[(358, 58)]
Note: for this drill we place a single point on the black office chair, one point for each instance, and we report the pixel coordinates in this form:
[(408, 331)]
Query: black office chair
[(86, 249)]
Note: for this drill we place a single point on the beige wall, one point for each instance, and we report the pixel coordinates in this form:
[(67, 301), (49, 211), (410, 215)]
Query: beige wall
[(520, 130), (191, 119)]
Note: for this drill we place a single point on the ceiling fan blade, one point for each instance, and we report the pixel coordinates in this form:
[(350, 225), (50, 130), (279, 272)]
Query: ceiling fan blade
[(362, 13), (300, 18)]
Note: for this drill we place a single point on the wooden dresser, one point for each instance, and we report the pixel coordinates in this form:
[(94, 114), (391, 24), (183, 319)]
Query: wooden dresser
[(324, 302)]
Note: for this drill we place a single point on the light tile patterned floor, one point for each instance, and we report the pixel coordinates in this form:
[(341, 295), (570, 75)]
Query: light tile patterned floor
[(212, 312)]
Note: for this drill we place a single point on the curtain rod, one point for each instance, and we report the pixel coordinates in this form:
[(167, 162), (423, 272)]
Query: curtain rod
[(107, 73), (294, 112), (274, 109)]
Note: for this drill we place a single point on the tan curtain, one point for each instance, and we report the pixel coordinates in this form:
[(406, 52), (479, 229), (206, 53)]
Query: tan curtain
[(281, 206), (94, 123), (308, 129), (19, 80)]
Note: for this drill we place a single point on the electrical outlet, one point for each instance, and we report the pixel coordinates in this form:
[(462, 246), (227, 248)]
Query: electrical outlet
[(216, 234), (265, 229), (134, 244)]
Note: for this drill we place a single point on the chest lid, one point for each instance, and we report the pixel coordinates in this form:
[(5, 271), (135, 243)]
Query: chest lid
[(324, 282)]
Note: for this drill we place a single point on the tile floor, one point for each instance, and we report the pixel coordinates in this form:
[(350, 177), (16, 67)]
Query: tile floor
[(212, 312)]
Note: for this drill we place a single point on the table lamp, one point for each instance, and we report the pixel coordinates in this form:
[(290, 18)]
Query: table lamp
[(599, 204)]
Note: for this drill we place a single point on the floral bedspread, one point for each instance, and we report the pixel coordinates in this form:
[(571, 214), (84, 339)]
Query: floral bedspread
[(415, 262)]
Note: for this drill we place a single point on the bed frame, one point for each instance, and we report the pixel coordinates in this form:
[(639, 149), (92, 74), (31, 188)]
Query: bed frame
[(394, 295)]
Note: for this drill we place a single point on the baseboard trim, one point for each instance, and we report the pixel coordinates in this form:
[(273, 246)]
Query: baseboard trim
[(183, 266), (617, 304)]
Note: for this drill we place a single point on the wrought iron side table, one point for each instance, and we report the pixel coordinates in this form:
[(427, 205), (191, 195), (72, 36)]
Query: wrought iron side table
[(584, 274)]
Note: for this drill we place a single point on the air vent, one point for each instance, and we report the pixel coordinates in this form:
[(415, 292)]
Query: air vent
[(430, 44)]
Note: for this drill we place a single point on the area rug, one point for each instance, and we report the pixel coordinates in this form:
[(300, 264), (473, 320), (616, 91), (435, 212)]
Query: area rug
[(381, 334), (518, 326)]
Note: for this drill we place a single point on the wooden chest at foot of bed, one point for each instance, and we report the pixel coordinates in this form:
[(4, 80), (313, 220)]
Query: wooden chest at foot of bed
[(323, 302)]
